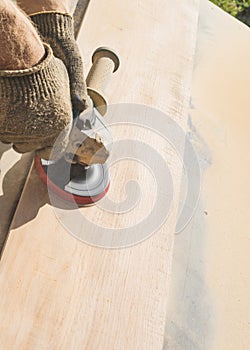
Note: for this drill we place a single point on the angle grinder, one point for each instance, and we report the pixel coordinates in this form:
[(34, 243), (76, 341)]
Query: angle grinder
[(81, 174)]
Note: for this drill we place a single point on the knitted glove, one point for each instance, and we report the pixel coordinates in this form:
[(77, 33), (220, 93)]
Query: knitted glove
[(35, 106), (57, 30)]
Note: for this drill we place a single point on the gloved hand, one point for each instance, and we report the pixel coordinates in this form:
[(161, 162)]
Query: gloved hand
[(35, 106), (58, 31)]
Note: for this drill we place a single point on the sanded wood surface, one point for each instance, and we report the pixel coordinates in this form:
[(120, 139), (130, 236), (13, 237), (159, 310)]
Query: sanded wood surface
[(57, 292)]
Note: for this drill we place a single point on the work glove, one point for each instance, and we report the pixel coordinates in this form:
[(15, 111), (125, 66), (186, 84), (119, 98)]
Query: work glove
[(35, 106), (58, 31)]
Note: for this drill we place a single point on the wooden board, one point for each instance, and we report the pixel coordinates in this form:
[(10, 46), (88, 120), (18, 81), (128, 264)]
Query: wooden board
[(209, 303), (57, 292), (14, 169), (79, 7)]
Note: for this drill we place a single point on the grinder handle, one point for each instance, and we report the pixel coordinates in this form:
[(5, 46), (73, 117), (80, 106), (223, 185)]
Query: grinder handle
[(104, 63)]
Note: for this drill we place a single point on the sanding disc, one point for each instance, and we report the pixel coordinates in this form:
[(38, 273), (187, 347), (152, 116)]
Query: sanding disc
[(85, 184), (93, 181)]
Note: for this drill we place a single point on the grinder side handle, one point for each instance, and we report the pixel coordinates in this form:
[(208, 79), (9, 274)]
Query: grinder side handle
[(104, 63)]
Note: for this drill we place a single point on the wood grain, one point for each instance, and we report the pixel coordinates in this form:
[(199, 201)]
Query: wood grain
[(56, 291)]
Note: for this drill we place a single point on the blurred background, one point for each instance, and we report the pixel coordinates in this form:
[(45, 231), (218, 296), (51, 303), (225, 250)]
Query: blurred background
[(237, 8)]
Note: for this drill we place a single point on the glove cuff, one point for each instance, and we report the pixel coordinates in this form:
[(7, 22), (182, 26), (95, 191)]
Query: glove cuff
[(29, 85), (54, 24)]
